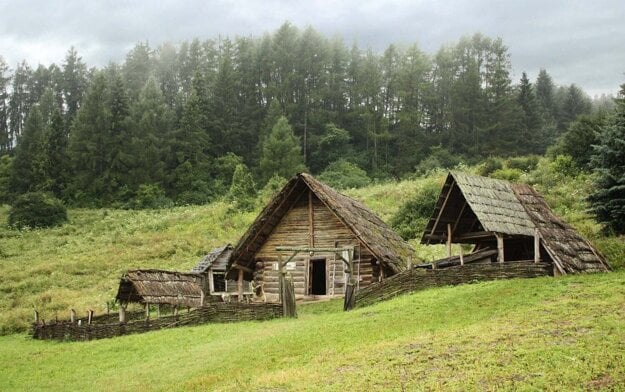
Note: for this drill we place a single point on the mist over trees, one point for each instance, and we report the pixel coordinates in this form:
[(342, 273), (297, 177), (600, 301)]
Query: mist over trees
[(182, 118)]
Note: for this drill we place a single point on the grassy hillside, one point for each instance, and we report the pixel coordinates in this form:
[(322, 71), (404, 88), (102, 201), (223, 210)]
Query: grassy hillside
[(536, 334), (79, 264)]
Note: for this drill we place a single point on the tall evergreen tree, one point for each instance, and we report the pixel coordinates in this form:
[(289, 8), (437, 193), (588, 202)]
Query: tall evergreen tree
[(57, 160), (74, 85), (282, 153), (608, 200), (5, 137), (19, 103), (29, 166), (531, 140)]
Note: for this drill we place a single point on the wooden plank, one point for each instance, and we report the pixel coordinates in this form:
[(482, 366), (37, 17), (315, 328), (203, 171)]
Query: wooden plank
[(500, 250), (536, 245), (311, 222), (240, 285), (448, 240), (451, 187)]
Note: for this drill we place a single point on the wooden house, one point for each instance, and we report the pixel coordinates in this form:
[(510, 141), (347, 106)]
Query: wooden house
[(152, 286), (308, 213), (510, 222), (213, 267)]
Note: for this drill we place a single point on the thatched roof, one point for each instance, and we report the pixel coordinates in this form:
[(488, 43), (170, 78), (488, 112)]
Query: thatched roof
[(217, 259), (161, 287), (477, 207), (386, 245), (570, 251)]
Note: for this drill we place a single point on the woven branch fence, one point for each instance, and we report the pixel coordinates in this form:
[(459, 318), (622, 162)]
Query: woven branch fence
[(420, 279), (105, 327)]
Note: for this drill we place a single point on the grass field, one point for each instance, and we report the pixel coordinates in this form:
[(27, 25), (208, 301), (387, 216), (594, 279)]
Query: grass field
[(538, 334)]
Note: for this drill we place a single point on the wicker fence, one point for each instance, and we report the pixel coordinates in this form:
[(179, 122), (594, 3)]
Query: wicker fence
[(105, 326), (420, 279)]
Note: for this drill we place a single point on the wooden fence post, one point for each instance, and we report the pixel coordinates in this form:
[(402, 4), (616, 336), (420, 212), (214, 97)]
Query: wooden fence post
[(147, 310), (72, 315), (122, 313), (36, 317), (536, 246), (89, 316), (448, 240), (500, 256)]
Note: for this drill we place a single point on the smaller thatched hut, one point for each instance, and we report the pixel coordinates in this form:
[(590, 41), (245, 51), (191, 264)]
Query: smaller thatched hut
[(161, 287)]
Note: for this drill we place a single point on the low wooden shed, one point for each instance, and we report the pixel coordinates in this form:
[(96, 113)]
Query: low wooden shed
[(512, 219), (213, 267), (308, 213), (152, 286)]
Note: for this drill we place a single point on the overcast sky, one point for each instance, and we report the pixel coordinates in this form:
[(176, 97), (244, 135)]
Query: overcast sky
[(577, 41)]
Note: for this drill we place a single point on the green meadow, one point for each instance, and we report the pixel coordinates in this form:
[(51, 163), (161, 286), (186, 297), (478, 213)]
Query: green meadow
[(539, 334)]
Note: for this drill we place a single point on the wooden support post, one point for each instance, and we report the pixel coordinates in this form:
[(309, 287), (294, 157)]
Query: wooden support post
[(461, 255), (147, 310), (175, 310), (536, 246), (500, 257), (36, 317), (72, 315), (202, 298), (89, 316), (158, 310), (240, 285), (122, 313), (311, 220), (448, 240)]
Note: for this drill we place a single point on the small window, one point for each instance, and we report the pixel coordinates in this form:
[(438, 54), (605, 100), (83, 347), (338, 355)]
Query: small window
[(219, 282)]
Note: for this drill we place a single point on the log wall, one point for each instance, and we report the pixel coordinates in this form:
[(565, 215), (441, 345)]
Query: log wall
[(295, 230), (106, 327), (420, 279)]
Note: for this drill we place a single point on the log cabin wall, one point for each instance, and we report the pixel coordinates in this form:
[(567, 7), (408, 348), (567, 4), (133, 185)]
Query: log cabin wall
[(310, 223)]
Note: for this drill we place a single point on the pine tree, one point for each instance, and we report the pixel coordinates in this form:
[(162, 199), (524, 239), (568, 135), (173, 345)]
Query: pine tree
[(531, 140), (19, 105), (5, 139), (608, 200), (74, 83), (57, 160), (29, 165), (282, 154)]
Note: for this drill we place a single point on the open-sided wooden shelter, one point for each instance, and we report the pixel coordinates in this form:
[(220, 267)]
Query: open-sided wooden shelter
[(308, 213), (511, 218), (213, 267)]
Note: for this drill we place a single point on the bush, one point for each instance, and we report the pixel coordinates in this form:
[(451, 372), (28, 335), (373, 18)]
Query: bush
[(525, 164), (37, 210), (242, 189), (489, 165), (343, 174), (271, 188), (439, 158), (151, 196), (412, 216), (512, 175)]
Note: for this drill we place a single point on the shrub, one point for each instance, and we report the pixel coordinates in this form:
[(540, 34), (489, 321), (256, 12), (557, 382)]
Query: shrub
[(507, 174), (343, 174), (151, 196), (242, 189), (37, 210), (525, 164), (271, 188), (489, 165), (410, 219), (439, 158)]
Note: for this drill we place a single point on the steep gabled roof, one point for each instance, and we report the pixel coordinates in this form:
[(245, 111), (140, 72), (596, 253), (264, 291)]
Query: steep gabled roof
[(570, 251), (217, 259), (486, 206), (386, 245), (160, 287)]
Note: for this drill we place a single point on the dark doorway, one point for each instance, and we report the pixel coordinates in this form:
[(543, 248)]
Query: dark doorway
[(318, 277)]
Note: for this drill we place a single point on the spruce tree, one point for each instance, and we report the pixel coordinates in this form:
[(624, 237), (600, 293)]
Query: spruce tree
[(608, 200), (5, 139), (57, 160), (28, 174), (282, 153)]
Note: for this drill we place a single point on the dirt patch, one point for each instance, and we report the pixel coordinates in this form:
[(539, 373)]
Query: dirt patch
[(600, 383)]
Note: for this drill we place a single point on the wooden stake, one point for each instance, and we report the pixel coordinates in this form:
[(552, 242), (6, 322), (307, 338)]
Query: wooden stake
[(122, 313), (36, 317), (500, 257), (72, 315), (240, 285), (536, 246), (461, 255), (147, 311), (108, 308), (448, 240), (89, 316), (175, 310), (158, 309)]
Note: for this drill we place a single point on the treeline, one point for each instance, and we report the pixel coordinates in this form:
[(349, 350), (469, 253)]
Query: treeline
[(176, 121)]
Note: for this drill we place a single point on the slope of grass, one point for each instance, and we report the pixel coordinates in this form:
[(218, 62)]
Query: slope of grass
[(538, 334)]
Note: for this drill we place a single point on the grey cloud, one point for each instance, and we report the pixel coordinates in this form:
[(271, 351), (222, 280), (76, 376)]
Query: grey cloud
[(576, 41)]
